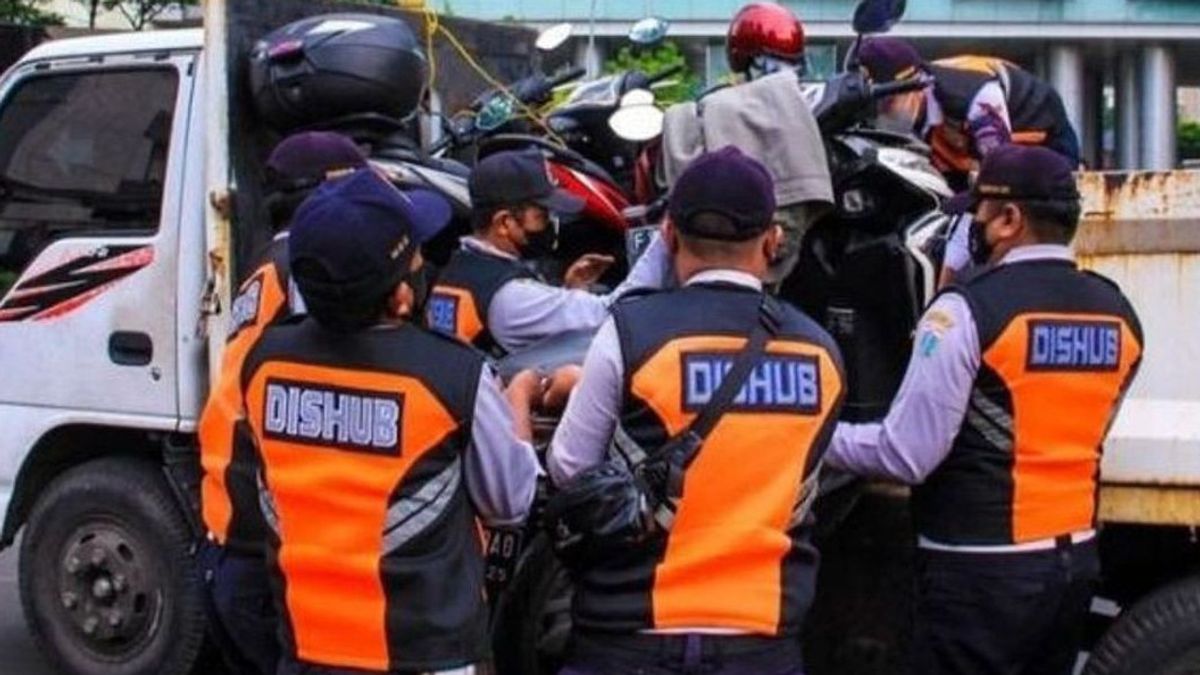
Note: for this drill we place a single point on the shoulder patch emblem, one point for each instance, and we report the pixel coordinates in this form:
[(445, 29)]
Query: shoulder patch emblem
[(244, 311)]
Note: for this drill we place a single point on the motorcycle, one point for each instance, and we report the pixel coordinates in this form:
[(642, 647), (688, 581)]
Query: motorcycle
[(587, 155)]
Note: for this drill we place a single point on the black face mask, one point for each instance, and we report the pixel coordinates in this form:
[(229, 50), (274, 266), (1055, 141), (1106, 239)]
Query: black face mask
[(981, 250), (541, 243)]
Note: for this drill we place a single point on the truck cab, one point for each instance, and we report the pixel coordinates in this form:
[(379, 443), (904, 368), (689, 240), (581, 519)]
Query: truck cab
[(102, 272)]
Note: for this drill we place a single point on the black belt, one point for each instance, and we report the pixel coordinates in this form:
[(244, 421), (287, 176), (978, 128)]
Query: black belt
[(678, 645)]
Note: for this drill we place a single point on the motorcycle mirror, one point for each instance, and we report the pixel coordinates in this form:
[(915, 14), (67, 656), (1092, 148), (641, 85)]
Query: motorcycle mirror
[(553, 37), (494, 113), (649, 31), (637, 123), (877, 16)]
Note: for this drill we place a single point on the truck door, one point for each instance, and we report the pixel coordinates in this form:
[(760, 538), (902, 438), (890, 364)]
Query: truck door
[(92, 168)]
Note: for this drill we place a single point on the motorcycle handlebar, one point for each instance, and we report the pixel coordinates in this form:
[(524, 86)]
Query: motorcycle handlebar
[(565, 77), (879, 91), (664, 74)]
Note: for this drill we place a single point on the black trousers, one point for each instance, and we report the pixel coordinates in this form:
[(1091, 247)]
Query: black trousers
[(1004, 613), (245, 622), (595, 654)]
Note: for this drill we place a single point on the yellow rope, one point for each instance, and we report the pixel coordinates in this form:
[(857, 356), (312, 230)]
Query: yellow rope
[(433, 26)]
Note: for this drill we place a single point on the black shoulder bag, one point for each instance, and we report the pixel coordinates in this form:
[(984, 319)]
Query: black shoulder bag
[(609, 507)]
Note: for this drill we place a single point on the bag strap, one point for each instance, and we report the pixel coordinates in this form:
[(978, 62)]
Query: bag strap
[(692, 438), (765, 328)]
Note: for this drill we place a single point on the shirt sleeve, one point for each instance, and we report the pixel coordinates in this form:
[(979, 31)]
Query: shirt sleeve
[(988, 118), (525, 311), (652, 270), (583, 436), (920, 427), (501, 470), (958, 247)]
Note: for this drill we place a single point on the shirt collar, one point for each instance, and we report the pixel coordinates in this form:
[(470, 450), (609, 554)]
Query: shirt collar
[(1038, 252), (933, 111), (480, 246), (721, 276)]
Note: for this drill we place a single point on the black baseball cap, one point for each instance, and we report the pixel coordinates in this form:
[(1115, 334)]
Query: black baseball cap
[(353, 240), (725, 182), (1024, 173), (519, 177)]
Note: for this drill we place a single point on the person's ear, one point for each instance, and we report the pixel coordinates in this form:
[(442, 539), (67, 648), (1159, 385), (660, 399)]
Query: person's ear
[(1010, 222), (670, 235), (772, 242), (400, 301)]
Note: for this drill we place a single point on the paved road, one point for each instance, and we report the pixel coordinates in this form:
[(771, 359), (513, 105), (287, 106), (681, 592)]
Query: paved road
[(17, 651)]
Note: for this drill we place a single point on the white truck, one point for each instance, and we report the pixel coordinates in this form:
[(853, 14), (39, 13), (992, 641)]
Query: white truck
[(115, 265)]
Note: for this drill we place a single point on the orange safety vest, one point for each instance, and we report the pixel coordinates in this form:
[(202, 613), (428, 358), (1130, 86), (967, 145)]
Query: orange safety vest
[(459, 301), (1059, 347), (372, 536), (738, 554), (228, 492)]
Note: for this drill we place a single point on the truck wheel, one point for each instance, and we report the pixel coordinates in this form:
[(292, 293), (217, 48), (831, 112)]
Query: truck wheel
[(1159, 635), (533, 621), (108, 582)]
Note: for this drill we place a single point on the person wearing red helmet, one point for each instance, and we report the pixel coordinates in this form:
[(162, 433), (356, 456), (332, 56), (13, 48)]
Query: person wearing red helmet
[(763, 38)]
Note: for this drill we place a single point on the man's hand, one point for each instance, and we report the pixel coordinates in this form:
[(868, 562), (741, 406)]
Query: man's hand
[(524, 391), (559, 389), (587, 270)]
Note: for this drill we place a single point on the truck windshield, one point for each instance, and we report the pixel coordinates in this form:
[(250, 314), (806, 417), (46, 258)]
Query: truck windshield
[(81, 153)]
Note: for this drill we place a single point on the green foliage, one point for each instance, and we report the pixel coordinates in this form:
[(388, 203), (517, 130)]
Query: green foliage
[(655, 60), (1189, 140), (139, 13), (28, 13)]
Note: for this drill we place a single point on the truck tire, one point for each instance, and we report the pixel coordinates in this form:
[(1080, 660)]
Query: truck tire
[(533, 619), (1159, 635), (108, 581)]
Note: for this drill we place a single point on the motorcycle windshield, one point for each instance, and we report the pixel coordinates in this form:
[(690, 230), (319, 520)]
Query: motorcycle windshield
[(602, 93)]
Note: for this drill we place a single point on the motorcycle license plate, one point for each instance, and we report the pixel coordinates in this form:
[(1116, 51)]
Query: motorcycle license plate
[(503, 549), (637, 240)]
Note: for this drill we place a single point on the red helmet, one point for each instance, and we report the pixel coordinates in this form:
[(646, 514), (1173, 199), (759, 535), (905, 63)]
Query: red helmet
[(764, 29)]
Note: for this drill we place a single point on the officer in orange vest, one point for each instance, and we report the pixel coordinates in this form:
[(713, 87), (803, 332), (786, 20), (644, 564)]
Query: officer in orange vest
[(726, 589), (1016, 376), (381, 444), (233, 559), (490, 296), (976, 104)]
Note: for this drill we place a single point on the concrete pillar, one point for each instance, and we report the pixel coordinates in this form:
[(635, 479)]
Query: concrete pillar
[(1067, 76), (1158, 108), (1092, 138), (1129, 111)]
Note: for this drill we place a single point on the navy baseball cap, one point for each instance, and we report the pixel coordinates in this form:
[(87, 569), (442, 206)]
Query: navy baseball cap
[(313, 154), (352, 241), (519, 177), (728, 183), (1025, 173), (888, 59)]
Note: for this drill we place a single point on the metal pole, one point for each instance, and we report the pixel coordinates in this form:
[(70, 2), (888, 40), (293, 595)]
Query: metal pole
[(592, 67)]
